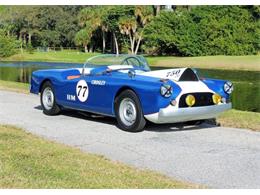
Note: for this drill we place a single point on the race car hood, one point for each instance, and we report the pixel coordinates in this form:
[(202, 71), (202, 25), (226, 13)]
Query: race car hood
[(186, 78), (175, 74)]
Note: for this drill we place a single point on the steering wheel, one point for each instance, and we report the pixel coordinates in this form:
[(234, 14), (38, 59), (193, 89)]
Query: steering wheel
[(129, 61)]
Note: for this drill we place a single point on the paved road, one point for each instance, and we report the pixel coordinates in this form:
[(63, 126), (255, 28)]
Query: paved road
[(213, 156)]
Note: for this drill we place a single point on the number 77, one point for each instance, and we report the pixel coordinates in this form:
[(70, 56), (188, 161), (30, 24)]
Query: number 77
[(80, 87), (85, 87)]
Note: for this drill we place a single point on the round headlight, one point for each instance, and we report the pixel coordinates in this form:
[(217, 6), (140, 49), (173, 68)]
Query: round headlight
[(166, 90), (228, 87), (190, 100), (216, 98)]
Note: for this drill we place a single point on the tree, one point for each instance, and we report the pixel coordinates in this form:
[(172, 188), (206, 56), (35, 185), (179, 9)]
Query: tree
[(6, 21), (111, 20), (20, 20), (31, 23), (83, 38), (184, 31), (103, 25), (133, 26), (157, 9), (94, 18), (128, 26), (8, 44), (144, 15), (204, 30)]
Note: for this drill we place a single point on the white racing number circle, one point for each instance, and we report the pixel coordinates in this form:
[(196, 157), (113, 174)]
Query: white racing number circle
[(82, 90)]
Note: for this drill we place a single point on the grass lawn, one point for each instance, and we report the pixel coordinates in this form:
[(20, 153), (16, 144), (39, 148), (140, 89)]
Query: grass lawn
[(52, 56), (27, 161), (14, 86), (209, 62), (240, 119)]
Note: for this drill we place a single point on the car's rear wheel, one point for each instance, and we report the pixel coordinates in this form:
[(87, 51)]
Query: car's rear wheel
[(129, 112), (48, 101)]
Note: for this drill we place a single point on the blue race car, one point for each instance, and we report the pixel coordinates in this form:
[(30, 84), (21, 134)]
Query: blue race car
[(123, 86)]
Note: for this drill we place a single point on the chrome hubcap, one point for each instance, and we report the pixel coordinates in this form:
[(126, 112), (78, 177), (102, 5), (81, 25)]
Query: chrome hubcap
[(47, 98), (127, 111)]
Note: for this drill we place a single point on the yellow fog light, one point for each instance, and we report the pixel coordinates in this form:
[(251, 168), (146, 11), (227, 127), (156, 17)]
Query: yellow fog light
[(190, 100), (216, 98)]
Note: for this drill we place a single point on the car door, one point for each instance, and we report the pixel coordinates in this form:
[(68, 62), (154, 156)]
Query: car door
[(87, 93)]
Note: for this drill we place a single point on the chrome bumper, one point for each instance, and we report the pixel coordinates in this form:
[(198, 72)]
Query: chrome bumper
[(172, 114)]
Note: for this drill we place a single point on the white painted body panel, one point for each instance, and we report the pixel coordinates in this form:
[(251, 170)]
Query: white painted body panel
[(172, 114), (172, 74)]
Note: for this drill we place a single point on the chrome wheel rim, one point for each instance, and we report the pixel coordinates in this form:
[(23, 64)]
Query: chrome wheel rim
[(47, 98), (127, 111)]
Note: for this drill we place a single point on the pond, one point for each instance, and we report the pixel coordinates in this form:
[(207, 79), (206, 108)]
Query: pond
[(246, 95)]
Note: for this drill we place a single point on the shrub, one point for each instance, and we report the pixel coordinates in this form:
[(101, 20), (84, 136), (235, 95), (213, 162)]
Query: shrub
[(30, 49), (8, 45), (204, 30)]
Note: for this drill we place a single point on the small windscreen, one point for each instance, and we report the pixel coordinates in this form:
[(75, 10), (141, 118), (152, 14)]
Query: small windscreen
[(122, 59), (188, 75)]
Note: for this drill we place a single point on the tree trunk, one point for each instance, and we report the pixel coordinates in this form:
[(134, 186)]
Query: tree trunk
[(132, 42), (24, 39), (104, 41), (158, 9), (112, 43), (21, 42), (188, 7), (91, 48), (138, 44), (29, 38), (86, 48), (116, 44)]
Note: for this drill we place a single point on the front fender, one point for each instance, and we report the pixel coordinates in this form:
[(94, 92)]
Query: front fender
[(148, 92), (217, 86)]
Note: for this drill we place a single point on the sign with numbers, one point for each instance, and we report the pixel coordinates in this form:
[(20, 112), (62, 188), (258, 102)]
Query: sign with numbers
[(82, 90)]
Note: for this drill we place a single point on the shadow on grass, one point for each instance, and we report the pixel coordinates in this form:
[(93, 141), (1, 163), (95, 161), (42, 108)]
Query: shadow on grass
[(173, 127)]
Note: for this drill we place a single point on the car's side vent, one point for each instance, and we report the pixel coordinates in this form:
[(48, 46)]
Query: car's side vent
[(188, 75)]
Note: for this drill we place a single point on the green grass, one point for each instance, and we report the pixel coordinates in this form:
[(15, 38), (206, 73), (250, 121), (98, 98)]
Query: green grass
[(14, 86), (27, 161), (52, 56), (240, 119), (209, 62)]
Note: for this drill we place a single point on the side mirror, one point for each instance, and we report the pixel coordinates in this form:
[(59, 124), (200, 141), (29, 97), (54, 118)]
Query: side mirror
[(131, 73)]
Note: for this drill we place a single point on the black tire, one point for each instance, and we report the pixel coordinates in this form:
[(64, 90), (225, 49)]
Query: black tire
[(139, 122), (54, 109)]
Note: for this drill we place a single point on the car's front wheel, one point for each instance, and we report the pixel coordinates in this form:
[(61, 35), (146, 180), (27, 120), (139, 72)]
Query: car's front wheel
[(48, 101), (129, 112)]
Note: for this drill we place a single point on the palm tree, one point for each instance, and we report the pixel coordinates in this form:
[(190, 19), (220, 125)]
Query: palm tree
[(134, 26), (103, 25), (144, 15), (83, 38), (94, 16), (128, 26)]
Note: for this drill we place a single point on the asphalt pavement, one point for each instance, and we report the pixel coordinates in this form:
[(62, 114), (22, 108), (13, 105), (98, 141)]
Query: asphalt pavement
[(217, 157)]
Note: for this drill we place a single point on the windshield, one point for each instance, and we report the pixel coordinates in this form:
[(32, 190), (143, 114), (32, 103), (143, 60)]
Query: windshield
[(113, 59)]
